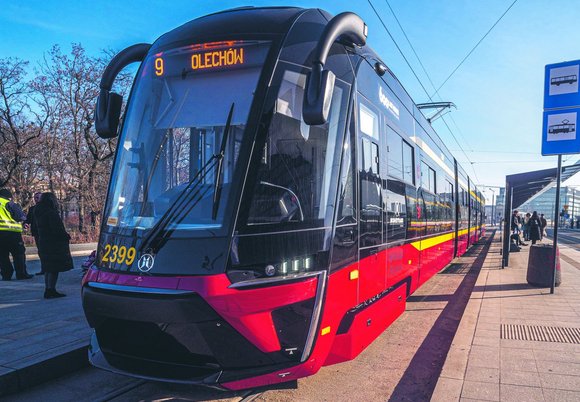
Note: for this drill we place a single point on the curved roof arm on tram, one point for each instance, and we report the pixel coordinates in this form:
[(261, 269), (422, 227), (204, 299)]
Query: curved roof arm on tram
[(351, 30), (108, 110)]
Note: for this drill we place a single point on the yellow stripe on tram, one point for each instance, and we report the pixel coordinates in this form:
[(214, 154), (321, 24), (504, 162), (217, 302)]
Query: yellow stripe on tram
[(434, 241)]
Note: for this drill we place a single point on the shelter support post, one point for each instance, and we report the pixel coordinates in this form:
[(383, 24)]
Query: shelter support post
[(556, 214), (507, 224)]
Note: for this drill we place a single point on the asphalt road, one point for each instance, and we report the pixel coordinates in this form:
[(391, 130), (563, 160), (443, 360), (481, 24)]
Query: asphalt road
[(569, 237), (403, 364)]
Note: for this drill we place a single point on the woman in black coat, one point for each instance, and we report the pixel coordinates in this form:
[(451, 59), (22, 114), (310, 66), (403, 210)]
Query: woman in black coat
[(535, 228), (53, 243)]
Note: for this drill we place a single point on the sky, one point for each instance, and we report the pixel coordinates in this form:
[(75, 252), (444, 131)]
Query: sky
[(498, 90)]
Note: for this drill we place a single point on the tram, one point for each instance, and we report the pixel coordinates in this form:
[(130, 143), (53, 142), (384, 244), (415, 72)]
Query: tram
[(275, 198)]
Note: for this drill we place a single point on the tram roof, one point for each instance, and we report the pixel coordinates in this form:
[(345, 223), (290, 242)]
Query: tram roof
[(233, 22)]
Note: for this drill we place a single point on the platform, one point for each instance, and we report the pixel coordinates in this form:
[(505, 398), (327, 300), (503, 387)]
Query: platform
[(41, 339), (516, 342)]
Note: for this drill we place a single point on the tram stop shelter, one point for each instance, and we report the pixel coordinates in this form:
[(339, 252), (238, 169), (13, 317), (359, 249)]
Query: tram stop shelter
[(520, 187)]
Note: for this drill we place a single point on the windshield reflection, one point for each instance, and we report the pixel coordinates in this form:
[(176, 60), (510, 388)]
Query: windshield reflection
[(173, 142)]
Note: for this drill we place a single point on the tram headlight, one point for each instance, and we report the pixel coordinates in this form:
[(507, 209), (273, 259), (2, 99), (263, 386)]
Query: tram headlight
[(296, 265), (291, 266)]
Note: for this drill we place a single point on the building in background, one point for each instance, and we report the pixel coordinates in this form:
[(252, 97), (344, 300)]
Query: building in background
[(544, 204), (500, 205)]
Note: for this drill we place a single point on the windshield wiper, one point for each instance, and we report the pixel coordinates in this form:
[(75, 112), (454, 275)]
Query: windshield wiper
[(217, 191), (190, 193)]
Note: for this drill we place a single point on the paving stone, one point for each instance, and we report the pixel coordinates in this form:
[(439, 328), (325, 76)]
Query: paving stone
[(483, 341), (517, 393), (447, 390), (560, 381), (520, 354), (555, 356), (482, 374), (480, 390), (518, 365), (559, 368), (455, 363), (526, 378), (484, 361), (559, 395)]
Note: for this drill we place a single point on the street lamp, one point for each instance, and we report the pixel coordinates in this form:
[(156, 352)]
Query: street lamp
[(493, 206)]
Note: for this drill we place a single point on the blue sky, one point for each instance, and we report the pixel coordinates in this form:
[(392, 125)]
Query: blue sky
[(498, 90)]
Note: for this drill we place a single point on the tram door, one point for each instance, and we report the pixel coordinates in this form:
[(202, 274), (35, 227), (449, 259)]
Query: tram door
[(372, 262)]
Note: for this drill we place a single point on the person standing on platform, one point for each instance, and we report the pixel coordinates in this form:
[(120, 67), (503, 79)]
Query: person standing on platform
[(516, 228), (53, 243), (535, 228), (32, 223), (544, 224), (526, 227), (11, 243)]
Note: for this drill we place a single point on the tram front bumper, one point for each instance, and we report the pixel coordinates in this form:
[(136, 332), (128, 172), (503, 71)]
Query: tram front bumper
[(175, 338)]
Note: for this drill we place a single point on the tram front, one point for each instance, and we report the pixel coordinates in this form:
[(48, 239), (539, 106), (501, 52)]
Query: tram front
[(214, 248)]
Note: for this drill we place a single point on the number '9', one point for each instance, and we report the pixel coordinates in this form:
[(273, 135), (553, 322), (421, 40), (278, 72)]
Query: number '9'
[(159, 66)]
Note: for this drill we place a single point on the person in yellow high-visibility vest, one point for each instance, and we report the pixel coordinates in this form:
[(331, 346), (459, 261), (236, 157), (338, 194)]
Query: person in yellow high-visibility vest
[(11, 243)]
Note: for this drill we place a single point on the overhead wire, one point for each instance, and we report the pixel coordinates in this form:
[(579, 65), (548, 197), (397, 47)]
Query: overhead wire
[(432, 84), (499, 152), (399, 49), (415, 74), (475, 47)]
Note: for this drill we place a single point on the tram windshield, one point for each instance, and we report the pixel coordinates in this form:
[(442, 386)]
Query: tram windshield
[(187, 116)]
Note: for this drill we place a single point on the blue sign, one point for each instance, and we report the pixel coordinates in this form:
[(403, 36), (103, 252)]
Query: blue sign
[(561, 85), (561, 109), (559, 133)]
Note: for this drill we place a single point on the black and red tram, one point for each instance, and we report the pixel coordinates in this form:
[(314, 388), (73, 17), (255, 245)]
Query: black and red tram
[(275, 197)]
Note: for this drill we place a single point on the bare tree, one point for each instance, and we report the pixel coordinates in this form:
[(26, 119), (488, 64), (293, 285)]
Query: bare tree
[(20, 123), (69, 83)]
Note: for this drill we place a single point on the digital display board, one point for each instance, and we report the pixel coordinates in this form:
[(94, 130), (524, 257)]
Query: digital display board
[(214, 56)]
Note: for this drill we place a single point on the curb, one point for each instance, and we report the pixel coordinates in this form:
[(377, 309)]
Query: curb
[(82, 253), (74, 248), (32, 371)]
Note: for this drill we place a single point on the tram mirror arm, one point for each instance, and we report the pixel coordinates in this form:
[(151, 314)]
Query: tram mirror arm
[(351, 30), (108, 108)]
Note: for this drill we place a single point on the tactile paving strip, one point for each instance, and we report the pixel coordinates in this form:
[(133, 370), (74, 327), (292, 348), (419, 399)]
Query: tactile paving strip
[(540, 333)]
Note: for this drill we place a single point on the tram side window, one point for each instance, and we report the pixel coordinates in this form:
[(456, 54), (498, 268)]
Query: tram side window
[(400, 157), (449, 198), (428, 178), (368, 122), (395, 153), (408, 163), (346, 206), (370, 190), (415, 213), (449, 191), (431, 212)]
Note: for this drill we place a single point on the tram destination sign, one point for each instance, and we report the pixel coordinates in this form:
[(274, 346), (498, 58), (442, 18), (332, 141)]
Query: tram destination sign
[(561, 109)]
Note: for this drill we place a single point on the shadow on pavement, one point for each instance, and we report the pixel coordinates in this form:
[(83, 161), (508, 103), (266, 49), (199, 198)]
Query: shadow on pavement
[(419, 380)]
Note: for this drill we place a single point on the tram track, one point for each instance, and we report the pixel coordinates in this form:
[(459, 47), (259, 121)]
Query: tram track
[(250, 396), (121, 391), (127, 392)]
